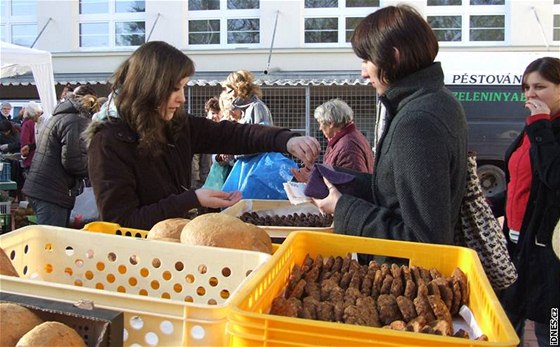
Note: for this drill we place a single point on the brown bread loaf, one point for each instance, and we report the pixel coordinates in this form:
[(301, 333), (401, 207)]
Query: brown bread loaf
[(51, 334), (222, 230), (15, 321), (168, 230)]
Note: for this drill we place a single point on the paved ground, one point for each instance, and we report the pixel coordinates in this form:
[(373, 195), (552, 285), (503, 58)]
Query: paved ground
[(530, 340)]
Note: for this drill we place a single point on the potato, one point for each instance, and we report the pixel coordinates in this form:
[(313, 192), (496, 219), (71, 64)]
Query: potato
[(51, 334), (168, 230), (6, 266), (222, 230), (15, 321)]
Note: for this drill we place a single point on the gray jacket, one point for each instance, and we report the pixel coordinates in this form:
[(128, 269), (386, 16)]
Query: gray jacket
[(420, 172), (60, 160)]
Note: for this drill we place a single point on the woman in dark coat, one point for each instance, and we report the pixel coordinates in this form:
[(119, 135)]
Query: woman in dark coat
[(421, 159), (59, 164), (532, 205)]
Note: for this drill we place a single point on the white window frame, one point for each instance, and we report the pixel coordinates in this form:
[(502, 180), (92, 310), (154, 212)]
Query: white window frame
[(7, 21), (466, 10), (555, 12), (340, 13), (111, 17), (223, 15)]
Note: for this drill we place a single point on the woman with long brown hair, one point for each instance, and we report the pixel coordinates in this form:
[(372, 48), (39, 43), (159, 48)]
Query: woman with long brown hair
[(140, 158)]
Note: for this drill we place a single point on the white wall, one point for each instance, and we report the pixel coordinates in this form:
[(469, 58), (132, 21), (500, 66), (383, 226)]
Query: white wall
[(288, 54)]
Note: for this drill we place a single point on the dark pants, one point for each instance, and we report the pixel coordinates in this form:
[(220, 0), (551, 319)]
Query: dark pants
[(542, 330), (50, 214)]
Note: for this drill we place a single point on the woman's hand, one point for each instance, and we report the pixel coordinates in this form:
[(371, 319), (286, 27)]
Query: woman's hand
[(301, 174), (537, 107), (216, 198), (328, 204), (305, 148), (24, 150)]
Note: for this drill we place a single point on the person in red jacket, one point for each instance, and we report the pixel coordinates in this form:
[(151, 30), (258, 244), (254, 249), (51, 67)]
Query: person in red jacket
[(27, 138), (532, 203), (347, 147)]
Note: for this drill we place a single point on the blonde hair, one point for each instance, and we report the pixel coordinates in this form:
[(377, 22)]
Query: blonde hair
[(242, 83)]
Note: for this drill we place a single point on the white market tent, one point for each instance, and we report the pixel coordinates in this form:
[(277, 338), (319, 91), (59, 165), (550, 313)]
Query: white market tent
[(18, 60)]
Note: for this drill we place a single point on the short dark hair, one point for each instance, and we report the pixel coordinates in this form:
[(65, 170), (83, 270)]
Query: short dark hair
[(547, 67), (401, 27), (212, 104)]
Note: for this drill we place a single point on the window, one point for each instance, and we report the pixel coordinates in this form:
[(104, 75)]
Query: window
[(556, 21), (112, 23), (332, 22), (456, 22), (223, 22), (18, 20)]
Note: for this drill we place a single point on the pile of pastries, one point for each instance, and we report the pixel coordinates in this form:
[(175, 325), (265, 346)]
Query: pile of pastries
[(399, 297)]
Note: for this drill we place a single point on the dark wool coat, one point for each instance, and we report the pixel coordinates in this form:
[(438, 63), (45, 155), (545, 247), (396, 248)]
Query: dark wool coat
[(537, 289), (420, 171), (137, 189), (60, 160)]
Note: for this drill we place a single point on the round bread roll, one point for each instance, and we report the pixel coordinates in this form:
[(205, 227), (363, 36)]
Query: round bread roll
[(15, 321), (222, 230), (6, 266), (51, 334), (556, 240), (168, 230)]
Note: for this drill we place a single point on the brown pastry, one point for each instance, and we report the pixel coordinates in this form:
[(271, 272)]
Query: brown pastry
[(462, 278), (441, 327), (462, 334), (423, 308), (440, 310), (410, 289), (377, 283), (456, 304), (325, 311), (416, 324), (397, 287), (386, 286), (434, 273), (396, 271), (406, 306), (445, 291), (397, 325), (298, 290), (286, 307), (388, 309), (309, 308), (406, 274)]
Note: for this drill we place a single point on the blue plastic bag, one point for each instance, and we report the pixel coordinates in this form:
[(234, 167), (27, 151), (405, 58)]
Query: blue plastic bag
[(261, 176)]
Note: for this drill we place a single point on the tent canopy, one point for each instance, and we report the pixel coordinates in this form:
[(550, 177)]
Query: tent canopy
[(17, 60)]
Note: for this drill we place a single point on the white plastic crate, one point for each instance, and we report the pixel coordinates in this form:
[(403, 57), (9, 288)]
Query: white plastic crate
[(171, 294)]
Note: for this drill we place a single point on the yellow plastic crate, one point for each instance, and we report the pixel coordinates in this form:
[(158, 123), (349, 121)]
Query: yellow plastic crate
[(274, 206), (250, 324), (115, 229), (171, 294)]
